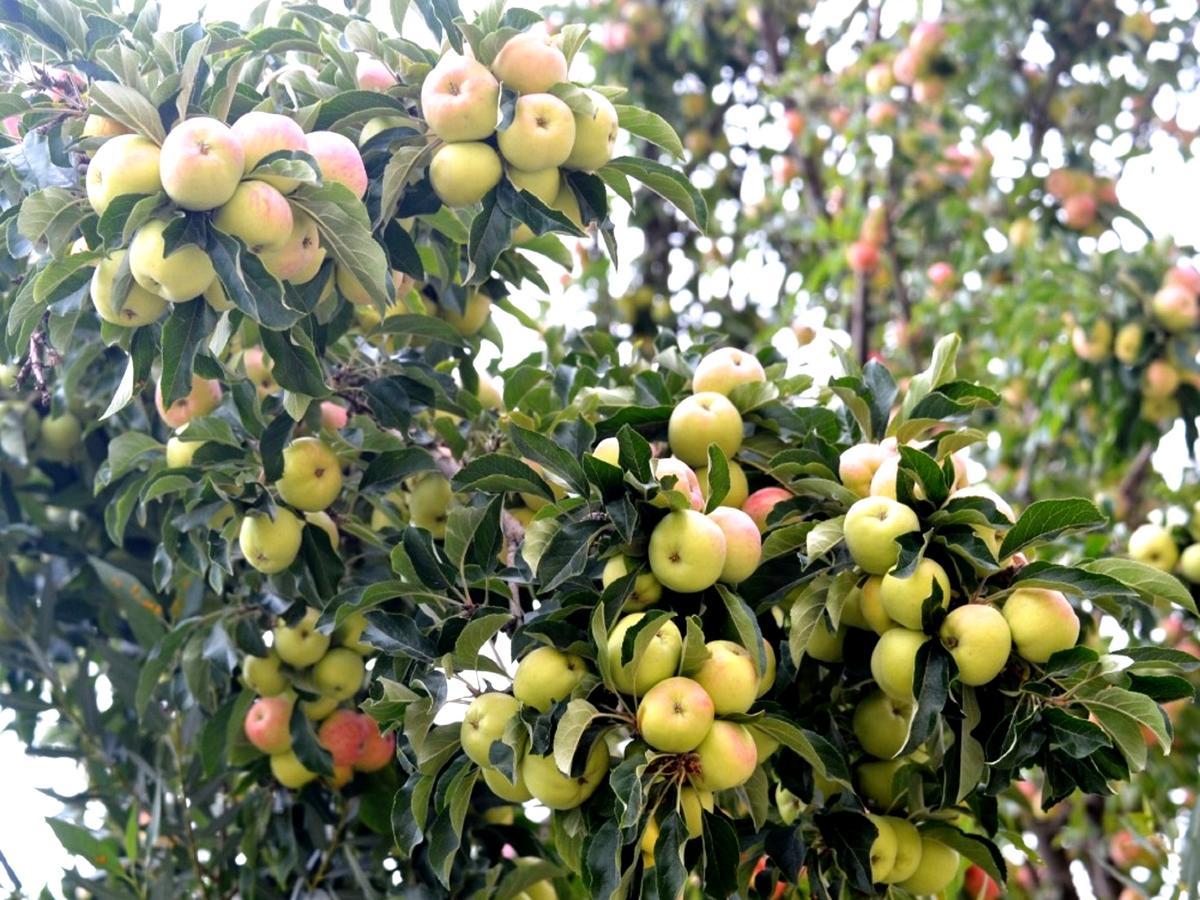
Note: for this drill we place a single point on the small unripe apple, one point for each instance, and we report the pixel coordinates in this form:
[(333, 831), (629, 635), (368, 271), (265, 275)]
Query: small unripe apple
[(267, 724), (429, 502), (908, 845), (743, 544), (1127, 346), (1042, 623), (270, 545), (686, 482), (460, 100), (687, 551), (339, 159), (546, 676), (979, 639), (183, 275), (555, 790), (261, 674), (903, 597), (372, 75), (824, 644), (463, 173), (344, 735), (126, 164), (693, 803), (894, 662), (60, 436), (334, 416), (595, 135), (1094, 344), (758, 505), (739, 487), (881, 724), (729, 676), (608, 450), (312, 477), (1189, 563), (339, 673), (858, 464), (289, 771), (876, 782), (499, 785), (646, 588), (767, 679), (319, 709), (540, 135), (1155, 546), (258, 368), (204, 397), (879, 79), (530, 63), (263, 133), (725, 758), (871, 527), (301, 645), (484, 724), (258, 215), (659, 661), (700, 420), (102, 126), (675, 715), (883, 849), (938, 866), (724, 369), (201, 163)]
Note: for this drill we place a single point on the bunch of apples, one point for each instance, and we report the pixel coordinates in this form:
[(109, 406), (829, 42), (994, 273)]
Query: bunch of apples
[(320, 672), (1172, 550), (914, 66), (1080, 195)]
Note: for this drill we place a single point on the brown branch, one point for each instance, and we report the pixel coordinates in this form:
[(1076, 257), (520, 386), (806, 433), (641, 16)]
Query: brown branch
[(860, 317), (1130, 491), (1104, 884), (1057, 866)]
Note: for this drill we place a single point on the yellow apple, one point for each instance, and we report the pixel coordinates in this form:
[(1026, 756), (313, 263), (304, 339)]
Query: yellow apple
[(102, 126), (270, 546), (262, 675), (725, 758), (183, 275), (675, 715), (318, 709), (858, 464), (530, 63), (767, 679), (339, 159), (1176, 308), (692, 804), (460, 99), (300, 258), (542, 183), (263, 133), (595, 137), (126, 164), (871, 527), (687, 551), (659, 661), (903, 597), (722, 370), (258, 215), (546, 676), (881, 724), (937, 868), (141, 306), (608, 450), (743, 544), (476, 311), (703, 419), (339, 673), (429, 502), (1153, 545), (463, 173), (499, 785), (730, 677), (325, 522), (1042, 623), (908, 849), (686, 482), (486, 719), (883, 848), (876, 782), (180, 452), (540, 135), (312, 477), (201, 163), (894, 662), (646, 588), (979, 639), (739, 487), (826, 645), (289, 771), (1189, 563), (380, 124), (553, 789), (1127, 346), (301, 645), (258, 368)]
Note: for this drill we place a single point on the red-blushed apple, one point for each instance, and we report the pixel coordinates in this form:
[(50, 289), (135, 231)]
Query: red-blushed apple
[(334, 416), (871, 527), (344, 735), (700, 420), (659, 661), (300, 258), (980, 886), (141, 306), (372, 74), (530, 63), (739, 487), (979, 639), (477, 309), (263, 133), (646, 589), (1155, 546), (675, 715), (540, 135), (300, 645), (858, 464), (940, 275), (546, 676), (339, 673), (1176, 308), (258, 368), (758, 505), (687, 551), (339, 159), (460, 99), (553, 789), (724, 369), (204, 397), (463, 173), (1042, 623), (182, 275), (862, 257), (686, 482), (270, 545), (267, 724), (881, 724), (595, 135), (289, 771), (1079, 211), (312, 476), (127, 164), (1092, 344), (484, 724), (894, 661), (729, 676), (937, 868), (725, 758), (261, 674), (201, 163), (743, 543), (903, 597), (928, 90), (906, 66), (258, 215)]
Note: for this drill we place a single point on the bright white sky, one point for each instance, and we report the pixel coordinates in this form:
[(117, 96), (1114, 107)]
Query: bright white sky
[(1151, 187)]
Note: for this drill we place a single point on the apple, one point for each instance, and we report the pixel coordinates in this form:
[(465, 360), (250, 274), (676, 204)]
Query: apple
[(320, 708), (463, 173), (553, 789), (216, 297), (429, 501), (938, 867), (758, 505), (852, 614), (687, 551), (505, 789), (204, 397), (1189, 563), (484, 724), (1042, 623), (692, 804), (724, 369), (730, 676), (542, 183), (767, 680), (979, 639), (1154, 546), (825, 645), (743, 544), (879, 79), (739, 487), (1176, 308), (906, 66), (609, 450), (541, 890), (675, 715), (1094, 344), (289, 771), (1079, 211), (257, 215), (1185, 277), (379, 124), (881, 724), (141, 306), (540, 135), (300, 258), (183, 275), (876, 781), (858, 464), (883, 848), (862, 257), (334, 416), (530, 63), (339, 673), (301, 645), (352, 289), (270, 546), (1159, 409), (460, 99), (267, 724), (344, 735), (261, 674), (312, 476), (378, 750), (373, 75), (102, 126), (894, 661), (595, 134), (908, 847), (201, 163), (980, 886), (126, 164), (546, 676), (180, 452), (263, 133), (349, 634), (342, 775), (725, 758), (903, 597), (60, 436), (871, 527), (659, 661), (568, 204), (700, 420), (1021, 233), (258, 368), (646, 588), (339, 159), (764, 744), (686, 482), (1127, 346), (476, 311)]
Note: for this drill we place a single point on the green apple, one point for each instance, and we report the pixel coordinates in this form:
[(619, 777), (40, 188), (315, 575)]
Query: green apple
[(1127, 346), (379, 124), (429, 500), (739, 488), (476, 311), (349, 634), (541, 890), (767, 680), (263, 133), (568, 204), (462, 174), (183, 275), (126, 164), (730, 676), (693, 804), (530, 63), (743, 543), (546, 676), (1189, 563), (908, 849), (871, 527), (486, 719), (301, 256), (758, 506), (201, 163), (703, 419), (876, 781), (675, 715), (903, 597), (60, 436), (289, 771), (202, 399), (312, 476), (722, 370), (540, 135), (343, 734), (555, 790), (979, 639), (659, 661), (595, 134), (301, 645), (858, 464), (1042, 623), (881, 724), (937, 868), (262, 675), (339, 159), (646, 589), (180, 452), (542, 183), (764, 744), (460, 99), (339, 673), (258, 215), (141, 306), (883, 848), (725, 758), (852, 614), (1154, 546), (499, 785), (319, 709), (894, 661), (608, 450), (102, 126), (270, 545), (687, 551), (826, 645), (685, 482), (267, 724), (259, 368)]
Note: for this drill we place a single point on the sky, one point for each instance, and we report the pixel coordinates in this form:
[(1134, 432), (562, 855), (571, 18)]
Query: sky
[(1150, 188)]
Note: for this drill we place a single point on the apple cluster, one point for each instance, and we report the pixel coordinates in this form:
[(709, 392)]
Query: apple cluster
[(915, 66), (1080, 196), (320, 672), (1172, 550)]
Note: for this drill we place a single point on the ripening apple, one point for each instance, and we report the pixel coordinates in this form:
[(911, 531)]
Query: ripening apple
[(476, 310), (700, 420), (460, 99), (568, 204), (300, 645), (979, 639), (906, 66), (940, 274), (980, 886), (725, 758), (499, 785), (881, 724), (862, 257), (1155, 546), (675, 715), (724, 369), (1092, 344), (429, 500), (883, 482), (201, 163), (339, 159), (102, 126), (903, 597), (540, 135), (484, 724), (180, 452), (1189, 563), (289, 771), (743, 543), (141, 306), (258, 368), (659, 661), (938, 867), (216, 297), (268, 724), (730, 677), (181, 276), (379, 751), (871, 527), (372, 74), (312, 477), (876, 781), (908, 847), (1176, 308), (270, 545), (334, 416), (339, 673), (739, 487), (858, 464), (463, 173), (257, 215), (883, 848), (758, 505), (1079, 211), (894, 662), (686, 482), (202, 399), (608, 450), (263, 133), (595, 135), (1127, 345), (126, 164), (1042, 623), (546, 676), (60, 436), (825, 644), (1185, 277), (646, 588), (261, 674), (553, 789), (530, 63), (300, 257), (344, 735), (687, 551)]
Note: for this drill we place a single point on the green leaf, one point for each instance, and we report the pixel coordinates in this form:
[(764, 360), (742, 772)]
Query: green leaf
[(824, 536), (498, 474), (650, 127), (247, 283), (296, 366), (127, 449), (806, 609), (941, 369), (481, 629), (1123, 714), (742, 618), (1046, 519), (129, 107), (387, 469), (974, 848), (815, 750), (346, 233), (311, 754), (182, 335), (1151, 584), (51, 215), (670, 184), (718, 477), (570, 731)]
